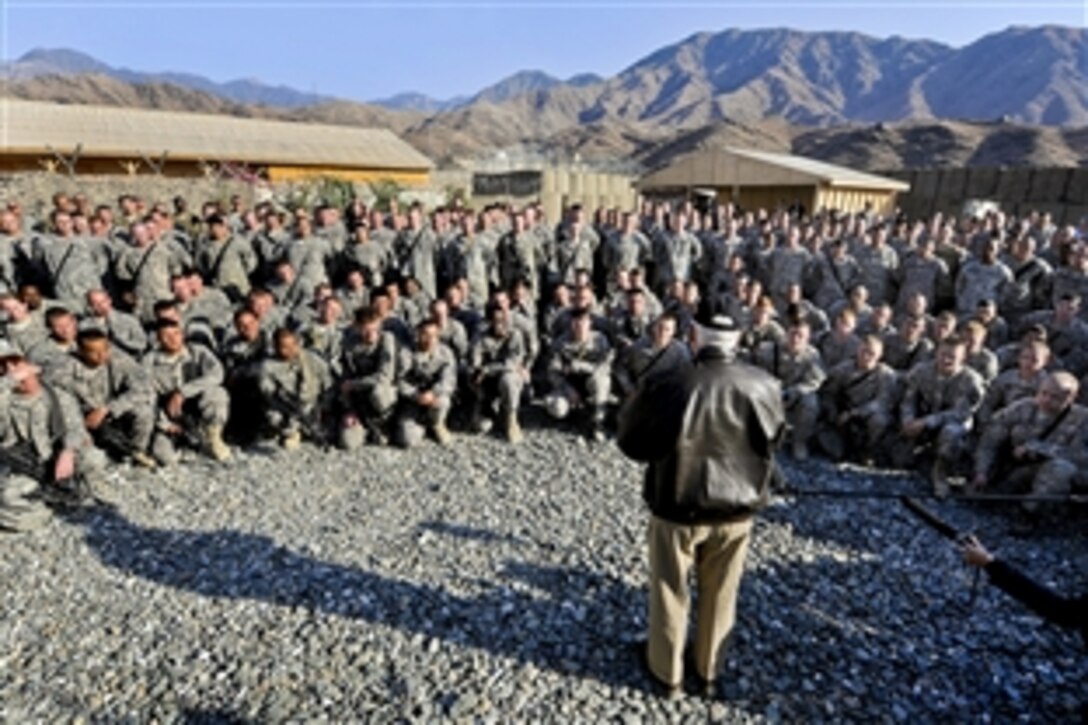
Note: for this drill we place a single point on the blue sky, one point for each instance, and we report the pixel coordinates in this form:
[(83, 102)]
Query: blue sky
[(363, 49)]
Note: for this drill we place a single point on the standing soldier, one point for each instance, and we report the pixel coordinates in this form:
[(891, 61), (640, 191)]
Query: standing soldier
[(980, 279), (474, 262), (628, 249), (676, 252), (938, 404), (788, 265), (367, 392), (519, 258), (575, 247), (66, 262), (1031, 281), (580, 373), (366, 255), (924, 273), (144, 272), (415, 250), (226, 260), (879, 266), (188, 385), (242, 353), (837, 273), (426, 381)]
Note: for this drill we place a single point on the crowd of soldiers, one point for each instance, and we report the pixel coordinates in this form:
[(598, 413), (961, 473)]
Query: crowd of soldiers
[(141, 330)]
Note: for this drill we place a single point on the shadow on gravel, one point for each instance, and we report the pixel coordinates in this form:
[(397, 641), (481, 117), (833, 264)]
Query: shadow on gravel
[(820, 640), (568, 620)]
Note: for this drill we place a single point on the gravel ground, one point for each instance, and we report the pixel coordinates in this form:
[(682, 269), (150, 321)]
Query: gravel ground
[(485, 582)]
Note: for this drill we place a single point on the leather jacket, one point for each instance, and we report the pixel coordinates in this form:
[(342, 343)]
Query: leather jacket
[(708, 430)]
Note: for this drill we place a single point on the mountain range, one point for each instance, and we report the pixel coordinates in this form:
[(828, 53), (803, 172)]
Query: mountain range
[(776, 85)]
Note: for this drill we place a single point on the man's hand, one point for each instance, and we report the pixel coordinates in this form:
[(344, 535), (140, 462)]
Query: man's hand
[(174, 404), (426, 399), (65, 466), (975, 554), (95, 418)]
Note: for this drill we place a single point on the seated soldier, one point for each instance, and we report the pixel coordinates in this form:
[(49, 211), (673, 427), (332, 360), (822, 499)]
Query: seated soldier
[(294, 385), (859, 398), (658, 349), (114, 396), (124, 330), (909, 346), (191, 400), (367, 392), (939, 402), (841, 343), (242, 353), (324, 335), (580, 373), (43, 444), (798, 366), (1037, 445), (426, 381), (496, 373), (979, 357), (1012, 385), (61, 342)]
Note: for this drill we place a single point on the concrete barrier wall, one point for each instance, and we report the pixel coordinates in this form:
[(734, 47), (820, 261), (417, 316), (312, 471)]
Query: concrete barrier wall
[(1061, 191)]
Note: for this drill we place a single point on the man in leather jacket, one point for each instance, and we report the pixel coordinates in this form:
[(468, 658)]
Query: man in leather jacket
[(708, 430)]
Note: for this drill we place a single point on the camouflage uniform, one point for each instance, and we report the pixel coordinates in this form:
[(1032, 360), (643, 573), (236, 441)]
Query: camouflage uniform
[(369, 378), (947, 404), (34, 430), (496, 364), (70, 268), (868, 397), (418, 372), (978, 281), (787, 267), (925, 275), (580, 370), (1007, 388), (227, 265), (1056, 449), (675, 256), (119, 385), (294, 392), (196, 373), (801, 376), (879, 266), (415, 252), (1028, 290), (835, 350)]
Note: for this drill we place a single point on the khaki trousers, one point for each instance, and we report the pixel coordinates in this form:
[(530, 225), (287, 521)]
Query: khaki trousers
[(718, 552)]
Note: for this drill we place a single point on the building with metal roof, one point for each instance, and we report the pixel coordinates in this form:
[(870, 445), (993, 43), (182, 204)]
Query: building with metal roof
[(766, 180), (113, 140)]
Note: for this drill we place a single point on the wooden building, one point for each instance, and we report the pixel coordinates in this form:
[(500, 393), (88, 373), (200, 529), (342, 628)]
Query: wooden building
[(113, 140), (556, 188), (765, 180)]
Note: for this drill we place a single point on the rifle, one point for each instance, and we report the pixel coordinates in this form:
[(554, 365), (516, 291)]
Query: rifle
[(946, 530), (72, 492)]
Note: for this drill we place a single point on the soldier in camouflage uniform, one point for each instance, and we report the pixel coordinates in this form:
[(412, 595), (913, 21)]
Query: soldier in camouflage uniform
[(788, 265), (66, 262), (1036, 445), (191, 399), (579, 373), (858, 400), (145, 269), (797, 365), (1031, 281), (114, 395), (939, 402), (841, 343), (124, 330), (226, 260), (43, 445), (426, 382), (367, 256), (415, 252), (497, 374), (676, 253), (242, 353), (1015, 384), (980, 279), (924, 273), (294, 385), (367, 391)]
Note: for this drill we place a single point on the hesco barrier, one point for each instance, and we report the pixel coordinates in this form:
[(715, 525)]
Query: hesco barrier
[(1061, 191)]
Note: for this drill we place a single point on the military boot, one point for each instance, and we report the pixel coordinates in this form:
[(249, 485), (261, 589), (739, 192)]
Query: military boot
[(442, 434), (291, 440), (513, 430), (218, 449), (596, 425)]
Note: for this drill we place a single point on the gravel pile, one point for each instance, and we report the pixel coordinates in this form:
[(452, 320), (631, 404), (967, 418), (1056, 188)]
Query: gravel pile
[(485, 582)]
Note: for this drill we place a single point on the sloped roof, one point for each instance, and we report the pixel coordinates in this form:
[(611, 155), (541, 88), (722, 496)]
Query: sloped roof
[(725, 167), (105, 131)]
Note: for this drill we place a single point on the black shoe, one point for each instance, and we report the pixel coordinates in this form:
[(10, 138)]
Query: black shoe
[(697, 684), (661, 689)]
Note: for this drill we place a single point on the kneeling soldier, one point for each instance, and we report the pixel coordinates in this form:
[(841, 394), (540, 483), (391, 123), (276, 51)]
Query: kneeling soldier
[(367, 393), (192, 402), (294, 384), (580, 373), (496, 374), (427, 380), (859, 402)]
